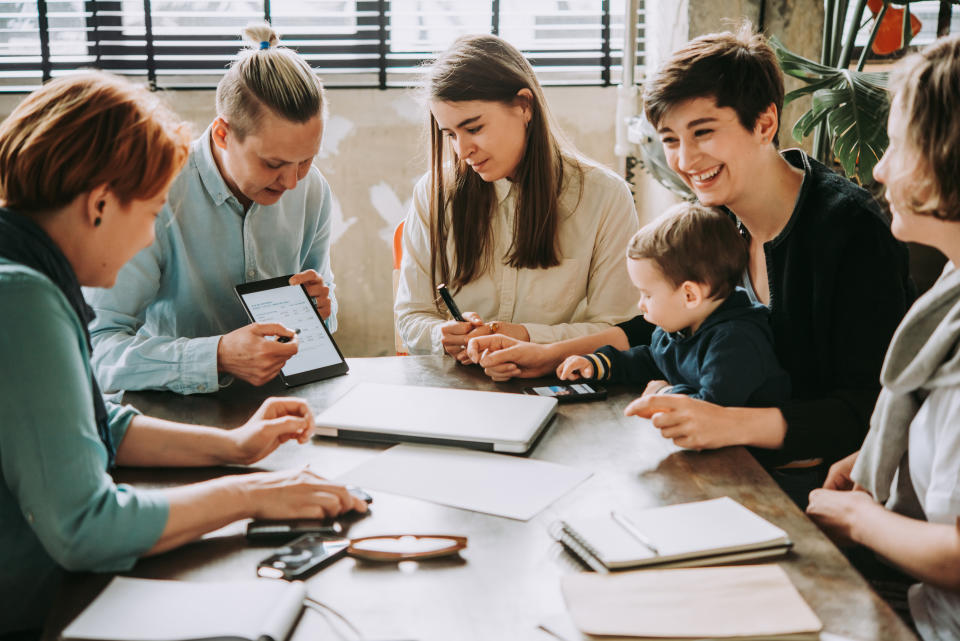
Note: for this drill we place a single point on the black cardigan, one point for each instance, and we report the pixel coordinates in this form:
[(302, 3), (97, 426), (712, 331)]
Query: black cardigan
[(839, 286)]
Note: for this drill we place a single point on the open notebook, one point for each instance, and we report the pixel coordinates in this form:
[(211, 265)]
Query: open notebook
[(149, 610), (701, 533)]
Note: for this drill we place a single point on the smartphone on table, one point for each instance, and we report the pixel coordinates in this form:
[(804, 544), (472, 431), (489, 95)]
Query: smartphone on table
[(569, 393), (303, 557)]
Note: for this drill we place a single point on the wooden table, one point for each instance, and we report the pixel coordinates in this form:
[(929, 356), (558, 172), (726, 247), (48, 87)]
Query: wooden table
[(507, 581)]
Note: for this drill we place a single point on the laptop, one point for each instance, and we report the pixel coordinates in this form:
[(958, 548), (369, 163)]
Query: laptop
[(491, 421)]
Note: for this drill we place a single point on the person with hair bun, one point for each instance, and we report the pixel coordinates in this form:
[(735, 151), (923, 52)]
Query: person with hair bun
[(249, 205), (85, 166), (527, 233), (899, 496)]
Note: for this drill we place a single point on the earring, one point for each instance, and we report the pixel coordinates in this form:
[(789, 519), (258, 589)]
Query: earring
[(97, 221)]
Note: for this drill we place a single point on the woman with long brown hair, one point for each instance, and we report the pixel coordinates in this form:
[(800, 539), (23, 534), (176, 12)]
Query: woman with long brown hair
[(526, 233)]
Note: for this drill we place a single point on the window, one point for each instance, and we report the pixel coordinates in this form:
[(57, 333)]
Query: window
[(180, 44)]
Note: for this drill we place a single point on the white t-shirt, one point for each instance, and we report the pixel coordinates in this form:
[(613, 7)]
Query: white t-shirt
[(934, 452), (589, 290)]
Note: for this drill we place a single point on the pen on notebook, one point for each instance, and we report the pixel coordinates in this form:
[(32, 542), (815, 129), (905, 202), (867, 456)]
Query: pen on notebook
[(287, 339), (632, 530)]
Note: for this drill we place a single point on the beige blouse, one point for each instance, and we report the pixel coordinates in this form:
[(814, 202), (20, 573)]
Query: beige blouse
[(587, 292)]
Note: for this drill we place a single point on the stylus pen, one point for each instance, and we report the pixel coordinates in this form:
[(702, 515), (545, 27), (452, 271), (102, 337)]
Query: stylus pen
[(448, 300), (287, 339), (632, 530)]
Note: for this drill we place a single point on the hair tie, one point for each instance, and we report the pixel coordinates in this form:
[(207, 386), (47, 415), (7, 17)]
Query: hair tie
[(264, 44)]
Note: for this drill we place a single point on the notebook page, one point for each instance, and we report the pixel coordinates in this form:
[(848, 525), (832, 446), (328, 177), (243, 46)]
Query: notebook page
[(149, 610)]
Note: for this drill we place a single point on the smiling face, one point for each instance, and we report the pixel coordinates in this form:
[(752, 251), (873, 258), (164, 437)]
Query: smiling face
[(488, 136), (709, 148), (268, 161)]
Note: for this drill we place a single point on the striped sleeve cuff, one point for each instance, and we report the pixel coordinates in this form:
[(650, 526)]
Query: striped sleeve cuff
[(601, 365)]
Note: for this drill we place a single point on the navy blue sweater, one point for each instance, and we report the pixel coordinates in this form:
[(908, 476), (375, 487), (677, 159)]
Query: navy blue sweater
[(839, 286), (729, 360)]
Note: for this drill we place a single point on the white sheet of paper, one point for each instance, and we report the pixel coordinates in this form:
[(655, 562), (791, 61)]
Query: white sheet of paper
[(510, 486)]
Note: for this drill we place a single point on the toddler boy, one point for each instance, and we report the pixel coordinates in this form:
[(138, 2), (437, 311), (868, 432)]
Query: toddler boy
[(711, 341)]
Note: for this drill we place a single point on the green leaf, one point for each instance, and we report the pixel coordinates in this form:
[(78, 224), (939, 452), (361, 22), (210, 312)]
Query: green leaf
[(854, 106)]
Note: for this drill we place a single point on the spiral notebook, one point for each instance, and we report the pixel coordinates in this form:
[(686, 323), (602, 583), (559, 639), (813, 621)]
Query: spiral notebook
[(709, 532)]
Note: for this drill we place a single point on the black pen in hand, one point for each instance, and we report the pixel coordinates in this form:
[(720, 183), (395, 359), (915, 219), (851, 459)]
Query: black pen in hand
[(451, 305), (287, 339)]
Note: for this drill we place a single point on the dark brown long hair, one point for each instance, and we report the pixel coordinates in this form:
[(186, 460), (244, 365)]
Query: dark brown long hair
[(485, 67)]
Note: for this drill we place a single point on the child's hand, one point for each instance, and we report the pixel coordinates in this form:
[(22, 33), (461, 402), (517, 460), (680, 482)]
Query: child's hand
[(575, 367)]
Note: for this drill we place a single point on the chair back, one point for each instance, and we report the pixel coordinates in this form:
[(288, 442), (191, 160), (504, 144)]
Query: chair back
[(397, 258)]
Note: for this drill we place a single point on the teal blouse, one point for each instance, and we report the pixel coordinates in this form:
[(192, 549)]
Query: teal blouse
[(59, 508)]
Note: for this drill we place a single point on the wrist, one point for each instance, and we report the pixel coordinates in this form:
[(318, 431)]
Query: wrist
[(522, 333), (860, 517), (228, 449), (760, 427), (553, 354), (239, 495), (220, 356)]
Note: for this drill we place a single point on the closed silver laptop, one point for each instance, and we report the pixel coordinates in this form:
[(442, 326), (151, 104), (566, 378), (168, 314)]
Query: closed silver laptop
[(492, 421)]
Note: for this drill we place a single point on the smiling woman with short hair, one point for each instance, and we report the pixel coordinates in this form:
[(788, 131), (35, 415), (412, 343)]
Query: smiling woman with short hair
[(822, 258)]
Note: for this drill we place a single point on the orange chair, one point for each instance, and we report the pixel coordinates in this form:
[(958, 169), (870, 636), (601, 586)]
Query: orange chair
[(397, 256)]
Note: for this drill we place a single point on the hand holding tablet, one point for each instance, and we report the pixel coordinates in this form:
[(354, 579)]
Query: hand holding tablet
[(288, 310)]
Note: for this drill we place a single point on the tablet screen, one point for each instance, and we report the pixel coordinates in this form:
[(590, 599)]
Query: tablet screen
[(290, 306)]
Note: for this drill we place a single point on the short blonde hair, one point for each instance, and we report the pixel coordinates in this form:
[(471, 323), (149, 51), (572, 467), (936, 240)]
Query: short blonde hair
[(266, 76), (695, 243), (926, 85), (85, 130)]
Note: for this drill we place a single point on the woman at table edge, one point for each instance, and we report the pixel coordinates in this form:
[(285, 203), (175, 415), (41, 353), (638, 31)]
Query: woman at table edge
[(821, 257), (85, 164), (900, 494)]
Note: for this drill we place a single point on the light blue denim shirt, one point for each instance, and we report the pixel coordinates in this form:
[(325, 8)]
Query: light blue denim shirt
[(159, 326), (59, 508)]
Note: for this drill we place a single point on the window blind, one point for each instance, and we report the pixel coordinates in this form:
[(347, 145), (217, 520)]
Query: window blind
[(177, 44)]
